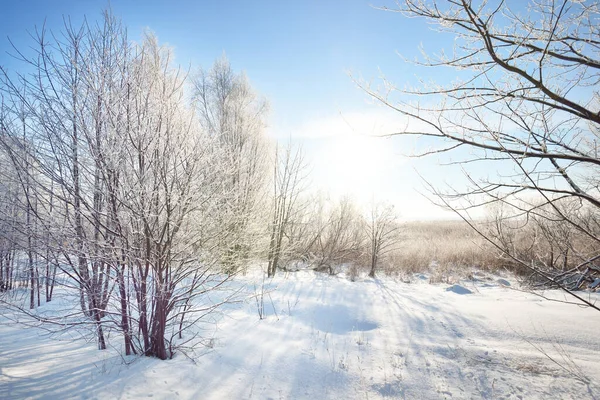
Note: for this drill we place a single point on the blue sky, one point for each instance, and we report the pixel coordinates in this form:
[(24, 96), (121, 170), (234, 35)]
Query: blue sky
[(298, 55)]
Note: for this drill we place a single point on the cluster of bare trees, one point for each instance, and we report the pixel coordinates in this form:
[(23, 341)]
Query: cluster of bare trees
[(323, 234), (113, 177), (548, 242), (528, 99)]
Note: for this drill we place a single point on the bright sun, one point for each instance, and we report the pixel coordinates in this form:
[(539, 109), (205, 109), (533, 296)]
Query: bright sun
[(355, 165)]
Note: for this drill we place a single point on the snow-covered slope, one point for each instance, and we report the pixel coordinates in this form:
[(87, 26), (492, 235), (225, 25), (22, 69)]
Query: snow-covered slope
[(329, 338)]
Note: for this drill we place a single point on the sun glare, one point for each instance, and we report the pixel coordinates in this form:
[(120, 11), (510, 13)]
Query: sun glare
[(355, 165)]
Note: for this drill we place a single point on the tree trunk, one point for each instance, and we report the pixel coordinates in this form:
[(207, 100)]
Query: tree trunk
[(99, 330), (124, 317), (31, 273), (159, 323)]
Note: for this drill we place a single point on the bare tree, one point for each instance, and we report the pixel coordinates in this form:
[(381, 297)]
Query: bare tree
[(172, 167), (288, 180), (337, 237), (531, 100), (381, 228)]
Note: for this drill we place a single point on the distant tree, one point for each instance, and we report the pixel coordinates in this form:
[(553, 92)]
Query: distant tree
[(288, 176), (381, 227), (337, 237)]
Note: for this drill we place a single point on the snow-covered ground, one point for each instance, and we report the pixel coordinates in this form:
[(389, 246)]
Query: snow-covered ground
[(329, 338)]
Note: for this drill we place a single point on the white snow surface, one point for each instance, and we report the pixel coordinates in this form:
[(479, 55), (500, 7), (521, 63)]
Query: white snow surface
[(329, 338)]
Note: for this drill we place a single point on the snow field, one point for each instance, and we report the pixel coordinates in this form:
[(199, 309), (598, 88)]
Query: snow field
[(328, 338)]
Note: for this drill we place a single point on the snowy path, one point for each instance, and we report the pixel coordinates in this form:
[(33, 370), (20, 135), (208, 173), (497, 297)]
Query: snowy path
[(331, 338)]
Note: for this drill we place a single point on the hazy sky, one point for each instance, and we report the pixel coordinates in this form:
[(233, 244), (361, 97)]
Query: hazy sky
[(298, 54)]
